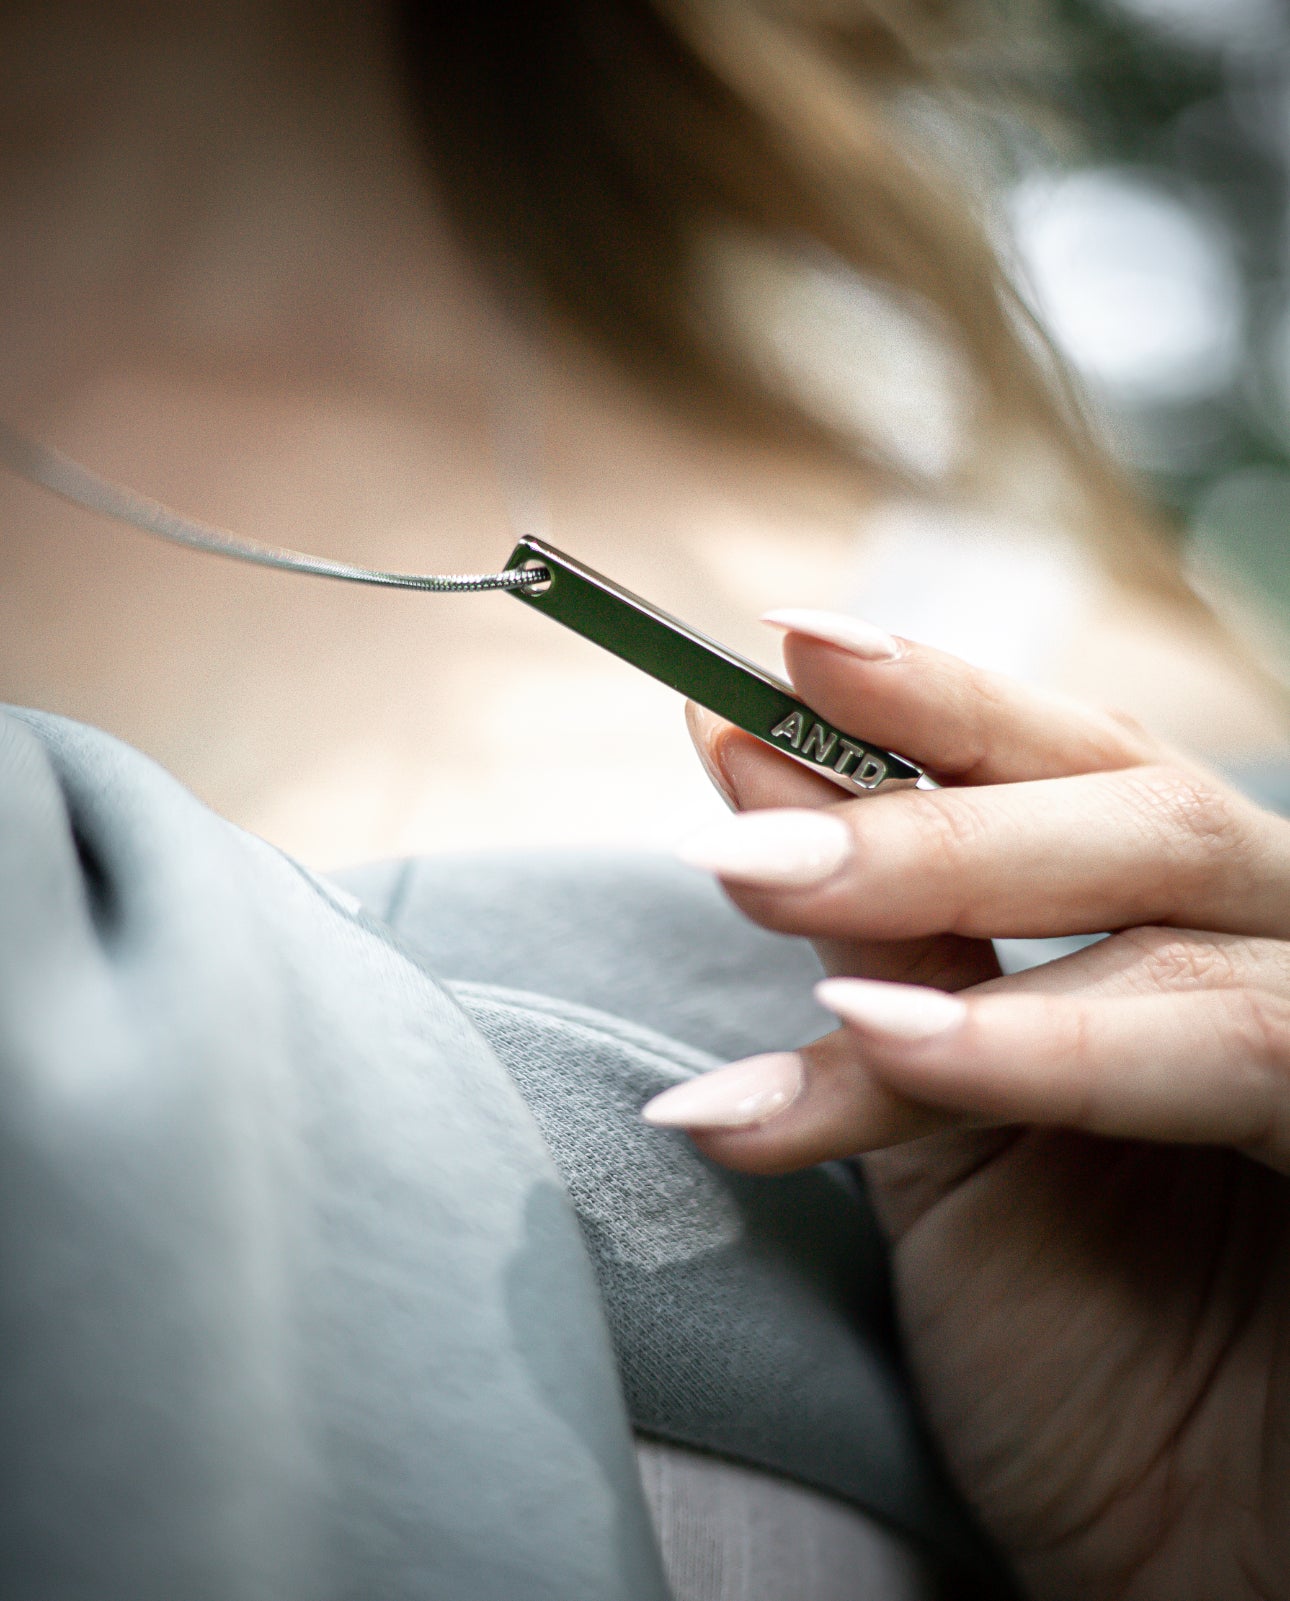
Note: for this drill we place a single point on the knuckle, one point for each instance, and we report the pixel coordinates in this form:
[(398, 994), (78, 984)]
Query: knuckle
[(1174, 960), (1198, 822)]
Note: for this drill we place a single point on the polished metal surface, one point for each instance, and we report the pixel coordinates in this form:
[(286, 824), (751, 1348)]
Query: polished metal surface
[(701, 669)]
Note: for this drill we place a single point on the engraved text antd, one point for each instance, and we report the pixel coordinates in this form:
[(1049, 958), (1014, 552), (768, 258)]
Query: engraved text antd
[(815, 742)]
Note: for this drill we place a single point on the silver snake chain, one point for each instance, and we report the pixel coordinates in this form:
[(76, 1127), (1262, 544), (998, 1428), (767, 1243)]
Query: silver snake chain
[(38, 464)]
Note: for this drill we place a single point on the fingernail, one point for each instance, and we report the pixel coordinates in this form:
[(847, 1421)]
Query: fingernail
[(788, 849), (738, 1096), (852, 634), (893, 1011), (701, 723)]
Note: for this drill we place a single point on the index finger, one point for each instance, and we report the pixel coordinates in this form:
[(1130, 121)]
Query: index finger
[(964, 725)]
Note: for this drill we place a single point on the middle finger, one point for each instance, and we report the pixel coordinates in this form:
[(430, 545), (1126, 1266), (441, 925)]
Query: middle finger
[(1025, 860)]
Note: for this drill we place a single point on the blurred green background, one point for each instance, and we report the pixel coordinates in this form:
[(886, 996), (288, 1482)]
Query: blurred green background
[(1157, 249)]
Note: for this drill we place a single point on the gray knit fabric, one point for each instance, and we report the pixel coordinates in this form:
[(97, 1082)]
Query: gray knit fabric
[(751, 1317), (631, 936)]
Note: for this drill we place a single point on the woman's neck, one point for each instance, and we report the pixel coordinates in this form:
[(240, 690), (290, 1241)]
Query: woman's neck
[(226, 189)]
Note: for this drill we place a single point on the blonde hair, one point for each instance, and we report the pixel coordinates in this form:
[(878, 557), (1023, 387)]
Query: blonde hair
[(591, 150)]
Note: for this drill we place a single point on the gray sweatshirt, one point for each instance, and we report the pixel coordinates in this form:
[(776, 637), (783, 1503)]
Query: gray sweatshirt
[(336, 1262)]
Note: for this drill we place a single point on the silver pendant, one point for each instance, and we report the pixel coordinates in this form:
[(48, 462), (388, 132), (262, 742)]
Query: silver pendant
[(590, 604), (700, 669)]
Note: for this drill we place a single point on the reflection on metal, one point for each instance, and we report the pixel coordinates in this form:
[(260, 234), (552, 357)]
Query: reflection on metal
[(699, 668)]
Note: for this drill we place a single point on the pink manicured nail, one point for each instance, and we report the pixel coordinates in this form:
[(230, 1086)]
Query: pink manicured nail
[(891, 1011), (780, 849), (852, 634), (739, 1096)]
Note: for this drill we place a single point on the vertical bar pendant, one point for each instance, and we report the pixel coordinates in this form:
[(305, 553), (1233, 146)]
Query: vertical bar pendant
[(702, 670)]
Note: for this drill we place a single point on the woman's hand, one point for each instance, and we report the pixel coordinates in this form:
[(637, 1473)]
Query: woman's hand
[(1084, 1166)]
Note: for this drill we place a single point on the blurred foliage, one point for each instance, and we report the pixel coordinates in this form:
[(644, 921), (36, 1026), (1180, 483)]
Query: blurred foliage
[(1204, 113)]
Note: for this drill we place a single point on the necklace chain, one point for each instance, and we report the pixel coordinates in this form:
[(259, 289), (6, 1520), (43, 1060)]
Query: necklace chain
[(62, 476)]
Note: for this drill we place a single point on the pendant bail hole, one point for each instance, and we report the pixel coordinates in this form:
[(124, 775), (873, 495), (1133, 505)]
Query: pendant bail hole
[(540, 585)]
